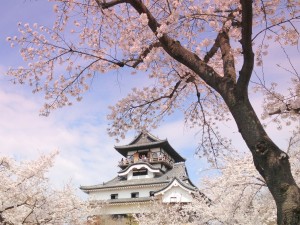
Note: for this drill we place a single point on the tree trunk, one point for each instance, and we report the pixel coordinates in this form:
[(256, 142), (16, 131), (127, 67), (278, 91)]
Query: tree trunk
[(271, 162)]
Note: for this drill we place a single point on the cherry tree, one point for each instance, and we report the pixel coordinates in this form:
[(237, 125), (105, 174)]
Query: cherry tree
[(165, 214), (27, 197), (236, 194), (200, 53)]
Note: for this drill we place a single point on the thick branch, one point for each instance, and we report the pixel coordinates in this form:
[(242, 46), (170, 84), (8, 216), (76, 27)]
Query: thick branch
[(248, 55), (171, 46), (213, 50), (11, 207), (177, 51), (228, 59)]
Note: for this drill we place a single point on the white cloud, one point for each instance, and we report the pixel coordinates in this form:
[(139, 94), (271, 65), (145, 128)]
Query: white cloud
[(86, 152)]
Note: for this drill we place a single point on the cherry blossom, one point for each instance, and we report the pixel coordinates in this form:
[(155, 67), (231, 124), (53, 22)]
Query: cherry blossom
[(27, 197), (200, 56), (234, 194)]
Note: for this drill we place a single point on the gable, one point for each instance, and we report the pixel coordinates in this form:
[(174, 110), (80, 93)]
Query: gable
[(176, 191), (144, 138)]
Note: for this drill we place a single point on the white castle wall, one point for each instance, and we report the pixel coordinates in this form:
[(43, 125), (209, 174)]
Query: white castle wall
[(123, 193), (176, 194)]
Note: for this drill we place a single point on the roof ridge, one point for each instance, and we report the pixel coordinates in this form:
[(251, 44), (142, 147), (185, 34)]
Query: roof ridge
[(145, 133)]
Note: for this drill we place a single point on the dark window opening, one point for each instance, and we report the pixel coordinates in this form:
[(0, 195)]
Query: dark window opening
[(114, 196), (173, 199), (134, 195), (151, 193), (143, 157), (118, 216), (140, 172)]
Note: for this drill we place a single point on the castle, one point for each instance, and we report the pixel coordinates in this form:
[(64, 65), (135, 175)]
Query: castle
[(150, 169)]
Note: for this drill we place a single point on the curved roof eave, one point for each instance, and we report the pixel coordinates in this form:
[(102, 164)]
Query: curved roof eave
[(131, 146), (141, 163), (97, 187)]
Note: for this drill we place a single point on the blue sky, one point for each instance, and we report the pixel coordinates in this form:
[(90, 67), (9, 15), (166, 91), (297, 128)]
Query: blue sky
[(86, 155)]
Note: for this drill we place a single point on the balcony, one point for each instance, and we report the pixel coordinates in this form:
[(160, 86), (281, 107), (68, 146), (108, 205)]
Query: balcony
[(152, 160)]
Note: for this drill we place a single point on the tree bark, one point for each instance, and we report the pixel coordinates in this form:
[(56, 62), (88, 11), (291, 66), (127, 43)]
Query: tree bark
[(271, 162)]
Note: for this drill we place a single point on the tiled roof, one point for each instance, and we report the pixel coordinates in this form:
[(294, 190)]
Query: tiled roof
[(178, 171), (147, 140), (139, 145), (142, 140), (145, 137)]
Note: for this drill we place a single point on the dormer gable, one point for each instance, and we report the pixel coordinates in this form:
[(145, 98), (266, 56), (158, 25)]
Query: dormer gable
[(176, 183), (139, 171), (176, 191)]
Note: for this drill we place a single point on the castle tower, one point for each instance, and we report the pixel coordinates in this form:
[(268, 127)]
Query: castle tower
[(150, 169)]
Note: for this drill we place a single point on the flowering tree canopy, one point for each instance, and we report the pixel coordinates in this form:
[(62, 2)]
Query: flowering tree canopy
[(191, 48), (237, 194), (27, 197)]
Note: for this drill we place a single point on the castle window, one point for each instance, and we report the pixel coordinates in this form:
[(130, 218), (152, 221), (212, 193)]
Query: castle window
[(151, 193), (140, 172), (134, 195), (114, 196)]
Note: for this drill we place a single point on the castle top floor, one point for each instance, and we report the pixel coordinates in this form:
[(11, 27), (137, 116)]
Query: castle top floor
[(148, 149)]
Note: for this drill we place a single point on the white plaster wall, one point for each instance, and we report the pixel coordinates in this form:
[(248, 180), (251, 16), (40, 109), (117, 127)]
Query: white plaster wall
[(123, 193), (129, 175), (180, 194)]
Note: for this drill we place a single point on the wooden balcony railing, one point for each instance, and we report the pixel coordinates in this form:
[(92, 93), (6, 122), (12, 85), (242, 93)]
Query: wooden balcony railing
[(126, 162)]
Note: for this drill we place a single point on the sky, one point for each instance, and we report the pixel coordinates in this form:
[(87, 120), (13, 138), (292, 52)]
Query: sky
[(87, 155)]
